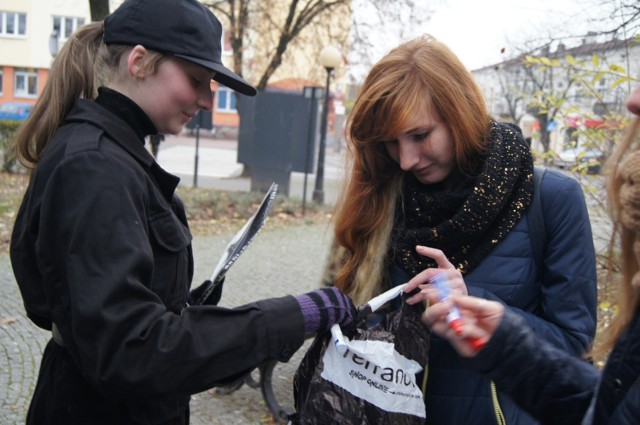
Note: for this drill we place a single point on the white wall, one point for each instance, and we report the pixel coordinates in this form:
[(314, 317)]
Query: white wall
[(32, 51)]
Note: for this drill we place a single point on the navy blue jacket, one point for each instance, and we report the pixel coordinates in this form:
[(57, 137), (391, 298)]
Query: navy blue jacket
[(558, 303), (559, 389)]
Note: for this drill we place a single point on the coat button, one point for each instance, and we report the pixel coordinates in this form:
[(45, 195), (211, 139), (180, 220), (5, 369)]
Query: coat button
[(617, 384), (286, 352)]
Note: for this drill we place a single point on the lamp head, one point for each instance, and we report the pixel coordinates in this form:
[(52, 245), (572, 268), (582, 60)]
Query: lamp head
[(330, 57)]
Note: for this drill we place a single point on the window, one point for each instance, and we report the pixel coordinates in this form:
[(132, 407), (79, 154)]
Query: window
[(26, 83), (226, 99), (13, 24), (64, 26), (602, 88), (227, 50)]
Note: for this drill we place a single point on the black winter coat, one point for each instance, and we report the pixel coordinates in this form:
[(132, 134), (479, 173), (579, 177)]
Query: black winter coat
[(101, 248), (560, 389)]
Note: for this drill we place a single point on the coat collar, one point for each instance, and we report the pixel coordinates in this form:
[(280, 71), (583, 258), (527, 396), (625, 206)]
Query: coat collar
[(123, 135)]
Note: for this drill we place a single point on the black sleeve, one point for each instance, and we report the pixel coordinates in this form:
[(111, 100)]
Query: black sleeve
[(550, 384), (95, 250)]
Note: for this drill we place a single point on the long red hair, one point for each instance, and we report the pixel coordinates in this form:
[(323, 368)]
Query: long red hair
[(419, 75)]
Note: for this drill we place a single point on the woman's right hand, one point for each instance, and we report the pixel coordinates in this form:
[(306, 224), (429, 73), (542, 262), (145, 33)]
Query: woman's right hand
[(424, 279), (480, 319)]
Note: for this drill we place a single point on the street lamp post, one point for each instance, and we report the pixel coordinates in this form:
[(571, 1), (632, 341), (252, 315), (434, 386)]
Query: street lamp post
[(330, 58), (312, 93)]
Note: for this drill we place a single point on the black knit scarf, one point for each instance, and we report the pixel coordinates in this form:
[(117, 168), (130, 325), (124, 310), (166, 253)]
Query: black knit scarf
[(468, 221)]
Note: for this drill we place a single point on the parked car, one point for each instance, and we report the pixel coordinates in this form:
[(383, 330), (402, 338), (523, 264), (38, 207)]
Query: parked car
[(15, 111), (580, 158)]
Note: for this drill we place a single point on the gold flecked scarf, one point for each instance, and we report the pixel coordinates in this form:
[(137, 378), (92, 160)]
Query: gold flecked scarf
[(468, 222)]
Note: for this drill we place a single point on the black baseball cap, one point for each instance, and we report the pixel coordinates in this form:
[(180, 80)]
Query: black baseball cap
[(184, 28)]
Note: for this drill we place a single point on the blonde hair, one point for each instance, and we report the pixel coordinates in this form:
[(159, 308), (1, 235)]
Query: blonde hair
[(629, 295), (420, 75), (82, 65)]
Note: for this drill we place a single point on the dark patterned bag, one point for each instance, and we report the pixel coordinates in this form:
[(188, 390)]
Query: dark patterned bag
[(368, 378)]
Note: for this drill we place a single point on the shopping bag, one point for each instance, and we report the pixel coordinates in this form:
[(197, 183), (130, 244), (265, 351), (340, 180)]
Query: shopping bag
[(368, 375)]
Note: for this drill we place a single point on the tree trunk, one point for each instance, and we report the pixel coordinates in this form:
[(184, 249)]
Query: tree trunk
[(543, 120), (99, 9)]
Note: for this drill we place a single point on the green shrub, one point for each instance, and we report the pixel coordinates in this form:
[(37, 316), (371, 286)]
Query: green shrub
[(7, 131)]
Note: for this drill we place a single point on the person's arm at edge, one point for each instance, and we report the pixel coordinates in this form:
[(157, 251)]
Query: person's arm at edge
[(553, 386)]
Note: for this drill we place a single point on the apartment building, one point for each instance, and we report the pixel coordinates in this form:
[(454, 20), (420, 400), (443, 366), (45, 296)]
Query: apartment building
[(508, 86), (31, 32)]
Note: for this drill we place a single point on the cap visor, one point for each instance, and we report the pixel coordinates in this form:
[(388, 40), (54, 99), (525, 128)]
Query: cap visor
[(224, 75)]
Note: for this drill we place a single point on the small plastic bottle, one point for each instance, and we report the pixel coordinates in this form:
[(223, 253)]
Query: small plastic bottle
[(454, 317)]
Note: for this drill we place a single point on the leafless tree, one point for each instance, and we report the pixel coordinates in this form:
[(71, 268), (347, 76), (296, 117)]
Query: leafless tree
[(513, 86), (279, 23), (289, 24), (376, 26), (379, 25), (547, 98), (623, 19), (276, 28)]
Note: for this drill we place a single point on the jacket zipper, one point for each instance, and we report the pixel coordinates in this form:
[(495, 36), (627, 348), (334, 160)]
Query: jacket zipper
[(497, 410), (425, 376), (496, 405)]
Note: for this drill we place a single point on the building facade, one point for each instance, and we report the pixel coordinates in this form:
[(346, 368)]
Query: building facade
[(32, 31), (511, 86)]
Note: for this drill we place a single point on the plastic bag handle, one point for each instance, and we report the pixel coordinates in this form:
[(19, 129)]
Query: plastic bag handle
[(370, 307), (380, 300)]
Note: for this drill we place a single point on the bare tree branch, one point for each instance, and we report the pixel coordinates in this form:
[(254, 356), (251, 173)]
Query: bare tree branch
[(273, 27)]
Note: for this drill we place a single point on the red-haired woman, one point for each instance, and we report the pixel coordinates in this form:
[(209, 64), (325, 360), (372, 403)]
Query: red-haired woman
[(430, 167), (554, 387)]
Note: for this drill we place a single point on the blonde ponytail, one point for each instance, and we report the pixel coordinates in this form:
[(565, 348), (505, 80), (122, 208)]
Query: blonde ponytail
[(72, 76)]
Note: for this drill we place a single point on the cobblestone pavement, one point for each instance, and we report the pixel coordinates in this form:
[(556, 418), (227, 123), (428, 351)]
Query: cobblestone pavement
[(279, 262)]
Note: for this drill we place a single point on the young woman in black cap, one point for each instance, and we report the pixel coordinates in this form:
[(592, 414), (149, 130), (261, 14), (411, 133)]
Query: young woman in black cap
[(101, 248)]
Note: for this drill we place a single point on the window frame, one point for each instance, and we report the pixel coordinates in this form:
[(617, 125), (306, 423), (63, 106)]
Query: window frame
[(63, 33), (19, 23), (229, 100), (26, 74)]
